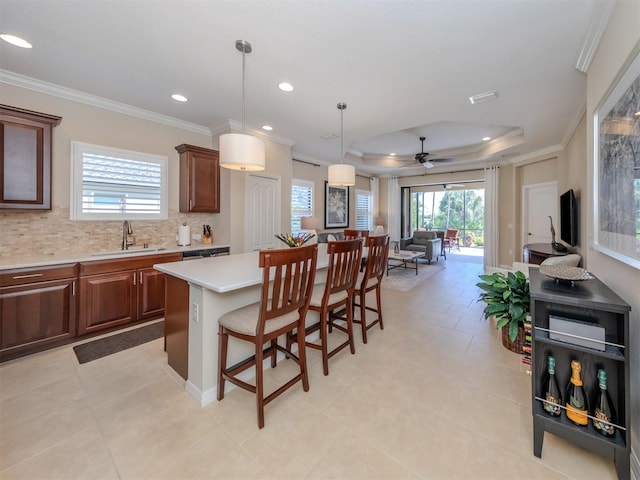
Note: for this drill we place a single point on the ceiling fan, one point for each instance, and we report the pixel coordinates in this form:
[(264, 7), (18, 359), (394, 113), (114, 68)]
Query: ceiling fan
[(422, 158)]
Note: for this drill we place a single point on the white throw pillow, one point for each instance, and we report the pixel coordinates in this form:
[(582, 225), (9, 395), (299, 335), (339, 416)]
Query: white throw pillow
[(571, 260), (331, 238)]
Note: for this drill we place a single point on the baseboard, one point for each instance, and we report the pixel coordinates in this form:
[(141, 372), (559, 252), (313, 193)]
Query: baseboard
[(635, 466)]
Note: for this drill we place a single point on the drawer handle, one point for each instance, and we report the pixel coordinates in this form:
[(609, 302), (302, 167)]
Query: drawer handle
[(30, 275)]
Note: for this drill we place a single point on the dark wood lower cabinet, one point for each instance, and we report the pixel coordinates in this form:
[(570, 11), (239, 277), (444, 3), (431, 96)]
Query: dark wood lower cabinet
[(106, 301), (52, 305), (121, 292), (34, 314)]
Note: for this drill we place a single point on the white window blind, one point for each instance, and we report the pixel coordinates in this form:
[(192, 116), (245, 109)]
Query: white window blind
[(364, 213), (301, 202), (113, 184)]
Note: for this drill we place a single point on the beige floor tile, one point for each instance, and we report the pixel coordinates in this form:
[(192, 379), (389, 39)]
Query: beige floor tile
[(294, 442), (353, 457), (38, 434), (215, 455), (81, 456)]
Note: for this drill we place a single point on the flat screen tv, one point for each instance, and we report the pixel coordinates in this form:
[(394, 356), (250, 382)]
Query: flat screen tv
[(569, 218)]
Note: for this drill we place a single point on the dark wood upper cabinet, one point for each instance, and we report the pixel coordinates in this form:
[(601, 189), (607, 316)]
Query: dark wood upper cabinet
[(25, 158), (199, 179)]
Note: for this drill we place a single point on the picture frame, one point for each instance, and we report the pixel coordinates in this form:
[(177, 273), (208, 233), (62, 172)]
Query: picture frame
[(336, 206), (616, 176)]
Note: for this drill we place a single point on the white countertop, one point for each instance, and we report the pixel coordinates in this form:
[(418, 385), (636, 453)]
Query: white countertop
[(40, 260), (227, 273)]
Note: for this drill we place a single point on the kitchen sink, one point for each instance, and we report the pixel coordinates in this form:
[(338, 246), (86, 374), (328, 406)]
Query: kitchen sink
[(130, 251)]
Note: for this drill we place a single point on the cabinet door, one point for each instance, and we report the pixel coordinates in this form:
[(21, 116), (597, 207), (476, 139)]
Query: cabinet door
[(25, 158), (150, 293), (106, 301), (199, 179), (37, 314)]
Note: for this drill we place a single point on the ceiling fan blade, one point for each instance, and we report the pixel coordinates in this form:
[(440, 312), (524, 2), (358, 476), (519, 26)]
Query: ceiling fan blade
[(441, 160)]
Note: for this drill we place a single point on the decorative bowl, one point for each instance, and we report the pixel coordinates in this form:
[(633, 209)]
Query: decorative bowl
[(563, 272)]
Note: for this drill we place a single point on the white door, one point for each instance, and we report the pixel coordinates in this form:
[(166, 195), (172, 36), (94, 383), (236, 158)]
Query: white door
[(262, 212), (539, 202)]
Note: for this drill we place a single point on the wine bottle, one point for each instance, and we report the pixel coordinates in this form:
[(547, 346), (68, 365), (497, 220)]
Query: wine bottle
[(576, 398), (550, 390), (603, 411)]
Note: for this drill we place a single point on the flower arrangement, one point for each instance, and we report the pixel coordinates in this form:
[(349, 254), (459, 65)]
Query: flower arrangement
[(295, 240)]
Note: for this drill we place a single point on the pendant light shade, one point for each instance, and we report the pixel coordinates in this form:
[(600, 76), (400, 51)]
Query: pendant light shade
[(239, 151), (341, 175)]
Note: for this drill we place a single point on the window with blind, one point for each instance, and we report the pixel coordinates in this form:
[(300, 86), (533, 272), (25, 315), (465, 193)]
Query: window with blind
[(113, 184), (301, 202), (364, 214)]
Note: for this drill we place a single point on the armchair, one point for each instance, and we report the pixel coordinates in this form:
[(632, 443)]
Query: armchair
[(423, 241)]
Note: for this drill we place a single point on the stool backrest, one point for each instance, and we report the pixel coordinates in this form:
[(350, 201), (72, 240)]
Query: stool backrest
[(287, 281), (377, 257), (351, 234), (344, 265)]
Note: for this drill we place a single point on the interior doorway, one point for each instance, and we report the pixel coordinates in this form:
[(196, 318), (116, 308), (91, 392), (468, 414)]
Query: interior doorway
[(539, 202), (262, 211)]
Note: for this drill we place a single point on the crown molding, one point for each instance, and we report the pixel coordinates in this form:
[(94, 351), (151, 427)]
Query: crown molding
[(597, 26), (543, 152), (233, 126), (99, 102)]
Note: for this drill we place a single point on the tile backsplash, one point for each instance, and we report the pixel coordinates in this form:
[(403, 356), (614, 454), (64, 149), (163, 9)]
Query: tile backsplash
[(51, 232)]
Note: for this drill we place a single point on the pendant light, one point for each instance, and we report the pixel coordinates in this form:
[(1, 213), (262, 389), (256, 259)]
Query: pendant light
[(342, 175), (239, 151)]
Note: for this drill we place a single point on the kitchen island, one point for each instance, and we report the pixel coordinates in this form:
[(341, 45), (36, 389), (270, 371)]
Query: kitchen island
[(198, 293)]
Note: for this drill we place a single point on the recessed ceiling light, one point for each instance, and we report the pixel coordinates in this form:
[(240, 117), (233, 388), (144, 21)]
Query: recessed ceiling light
[(329, 136), (486, 139), (267, 127), (17, 41), (483, 97), (285, 87), (178, 97), (392, 154)]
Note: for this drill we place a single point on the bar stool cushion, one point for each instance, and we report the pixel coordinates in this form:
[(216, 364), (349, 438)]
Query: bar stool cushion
[(318, 293), (245, 320)]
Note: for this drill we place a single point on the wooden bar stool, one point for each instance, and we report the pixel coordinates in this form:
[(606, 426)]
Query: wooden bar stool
[(370, 280), (336, 293), (282, 309)]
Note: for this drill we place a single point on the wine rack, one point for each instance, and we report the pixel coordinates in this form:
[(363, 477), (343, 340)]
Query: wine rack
[(588, 302)]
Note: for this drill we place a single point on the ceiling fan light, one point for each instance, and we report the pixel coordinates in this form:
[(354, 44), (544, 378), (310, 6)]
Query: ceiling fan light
[(239, 151), (341, 175), (428, 165)]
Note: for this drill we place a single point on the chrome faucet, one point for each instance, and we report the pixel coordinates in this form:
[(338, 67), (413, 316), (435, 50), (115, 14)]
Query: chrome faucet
[(126, 231)]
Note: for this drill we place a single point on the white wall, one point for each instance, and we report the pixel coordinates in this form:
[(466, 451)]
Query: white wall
[(620, 38)]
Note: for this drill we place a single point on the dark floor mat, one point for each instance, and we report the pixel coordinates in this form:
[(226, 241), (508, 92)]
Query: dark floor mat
[(90, 351)]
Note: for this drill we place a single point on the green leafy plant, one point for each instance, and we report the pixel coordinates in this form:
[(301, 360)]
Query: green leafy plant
[(506, 298)]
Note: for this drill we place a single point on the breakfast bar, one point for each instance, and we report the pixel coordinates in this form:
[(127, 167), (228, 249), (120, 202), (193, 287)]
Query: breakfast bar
[(198, 293)]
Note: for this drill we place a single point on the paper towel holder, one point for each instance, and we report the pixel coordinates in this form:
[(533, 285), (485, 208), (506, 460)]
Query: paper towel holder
[(184, 235)]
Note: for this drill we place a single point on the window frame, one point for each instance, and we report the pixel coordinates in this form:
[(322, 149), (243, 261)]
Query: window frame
[(298, 182), (79, 149)]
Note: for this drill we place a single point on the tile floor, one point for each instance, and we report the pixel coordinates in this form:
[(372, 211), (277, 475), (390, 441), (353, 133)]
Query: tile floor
[(433, 396)]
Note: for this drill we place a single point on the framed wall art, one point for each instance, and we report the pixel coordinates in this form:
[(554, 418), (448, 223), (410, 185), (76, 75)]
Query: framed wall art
[(336, 206), (617, 167)]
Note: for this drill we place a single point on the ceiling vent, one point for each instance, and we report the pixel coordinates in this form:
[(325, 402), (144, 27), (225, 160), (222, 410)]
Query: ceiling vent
[(483, 97)]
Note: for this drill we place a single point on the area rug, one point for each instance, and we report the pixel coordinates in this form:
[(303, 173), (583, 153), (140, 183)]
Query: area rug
[(403, 280), (90, 351)]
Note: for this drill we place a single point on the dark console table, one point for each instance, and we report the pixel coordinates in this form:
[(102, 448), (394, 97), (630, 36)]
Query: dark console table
[(537, 252)]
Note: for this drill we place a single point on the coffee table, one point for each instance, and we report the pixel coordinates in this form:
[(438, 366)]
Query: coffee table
[(402, 259)]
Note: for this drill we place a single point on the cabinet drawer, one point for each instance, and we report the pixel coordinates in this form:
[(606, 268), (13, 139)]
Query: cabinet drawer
[(120, 264), (22, 276)]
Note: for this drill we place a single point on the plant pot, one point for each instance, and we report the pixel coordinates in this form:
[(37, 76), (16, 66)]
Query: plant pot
[(517, 346)]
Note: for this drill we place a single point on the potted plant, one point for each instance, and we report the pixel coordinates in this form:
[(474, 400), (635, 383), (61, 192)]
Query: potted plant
[(507, 299)]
